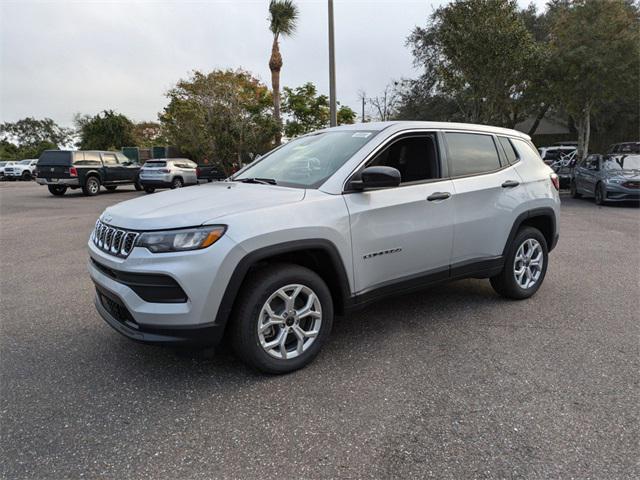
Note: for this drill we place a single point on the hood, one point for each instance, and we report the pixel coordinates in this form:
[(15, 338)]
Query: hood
[(197, 205), (624, 174)]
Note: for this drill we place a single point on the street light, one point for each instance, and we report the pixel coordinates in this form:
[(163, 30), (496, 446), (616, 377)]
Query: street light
[(333, 113)]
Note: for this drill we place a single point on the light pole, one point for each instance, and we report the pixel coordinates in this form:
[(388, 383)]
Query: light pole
[(333, 113)]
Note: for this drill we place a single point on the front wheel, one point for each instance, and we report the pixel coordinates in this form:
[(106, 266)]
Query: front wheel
[(91, 186), (601, 194), (177, 183), (525, 265), (26, 176), (57, 190), (149, 189), (284, 316)]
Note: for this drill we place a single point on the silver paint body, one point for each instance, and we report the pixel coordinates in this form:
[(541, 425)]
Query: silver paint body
[(410, 234), (177, 167)]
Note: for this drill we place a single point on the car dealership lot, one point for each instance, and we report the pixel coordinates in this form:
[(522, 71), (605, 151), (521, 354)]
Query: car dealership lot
[(454, 382)]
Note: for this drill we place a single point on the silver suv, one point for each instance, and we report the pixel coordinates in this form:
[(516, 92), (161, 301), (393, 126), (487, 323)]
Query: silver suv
[(168, 173), (320, 226)]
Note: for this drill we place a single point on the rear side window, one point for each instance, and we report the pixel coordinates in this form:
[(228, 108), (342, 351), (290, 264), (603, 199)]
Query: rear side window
[(509, 151), (153, 164), (86, 159), (471, 154), (109, 159), (525, 151), (55, 157)]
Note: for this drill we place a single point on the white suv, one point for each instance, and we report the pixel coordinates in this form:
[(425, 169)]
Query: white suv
[(322, 225), (23, 170), (168, 173)]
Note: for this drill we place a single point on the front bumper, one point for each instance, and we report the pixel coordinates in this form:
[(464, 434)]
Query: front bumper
[(203, 275), (618, 193), (69, 182)]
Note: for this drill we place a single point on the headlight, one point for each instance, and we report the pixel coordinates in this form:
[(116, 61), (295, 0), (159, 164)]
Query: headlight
[(614, 180), (181, 240)]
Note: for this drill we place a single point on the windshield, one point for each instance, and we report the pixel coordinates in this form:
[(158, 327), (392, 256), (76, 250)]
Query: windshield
[(309, 161), (631, 162), (25, 162)]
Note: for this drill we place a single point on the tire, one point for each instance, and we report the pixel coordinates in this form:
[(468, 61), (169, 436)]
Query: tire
[(57, 190), (26, 176), (138, 186), (91, 186), (111, 188), (600, 194), (260, 288), (574, 190), (149, 189), (505, 283), (177, 183), (209, 180)]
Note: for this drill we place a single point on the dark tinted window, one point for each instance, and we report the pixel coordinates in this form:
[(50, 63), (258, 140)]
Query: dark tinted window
[(55, 157), (109, 159), (155, 164), (471, 153), (510, 152), (415, 158)]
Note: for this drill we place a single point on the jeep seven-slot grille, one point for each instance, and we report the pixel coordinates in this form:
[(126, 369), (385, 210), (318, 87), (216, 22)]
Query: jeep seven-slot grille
[(115, 241)]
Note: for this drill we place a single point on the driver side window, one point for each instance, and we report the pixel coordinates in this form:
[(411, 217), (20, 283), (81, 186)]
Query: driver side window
[(415, 157)]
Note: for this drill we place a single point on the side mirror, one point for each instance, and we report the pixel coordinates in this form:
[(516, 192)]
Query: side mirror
[(376, 177)]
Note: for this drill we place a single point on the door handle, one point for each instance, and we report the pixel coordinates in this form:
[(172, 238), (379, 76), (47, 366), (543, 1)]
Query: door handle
[(510, 184), (438, 196)]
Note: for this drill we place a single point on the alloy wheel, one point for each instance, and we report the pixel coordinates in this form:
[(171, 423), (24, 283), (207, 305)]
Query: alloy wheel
[(289, 321), (528, 263)]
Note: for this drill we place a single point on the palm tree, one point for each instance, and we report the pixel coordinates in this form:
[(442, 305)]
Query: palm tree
[(283, 17)]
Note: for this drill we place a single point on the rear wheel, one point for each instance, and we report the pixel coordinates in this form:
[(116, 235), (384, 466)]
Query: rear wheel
[(111, 188), (574, 190), (525, 265), (91, 186), (283, 317), (600, 194), (57, 190), (177, 183), (149, 189)]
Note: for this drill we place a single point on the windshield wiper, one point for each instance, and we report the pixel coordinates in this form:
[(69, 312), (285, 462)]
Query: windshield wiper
[(263, 181)]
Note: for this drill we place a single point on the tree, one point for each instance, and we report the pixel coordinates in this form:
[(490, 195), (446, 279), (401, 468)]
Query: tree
[(29, 137), (223, 116), (309, 111), (596, 56), (385, 105), (283, 17), (107, 130), (481, 55), (148, 134)]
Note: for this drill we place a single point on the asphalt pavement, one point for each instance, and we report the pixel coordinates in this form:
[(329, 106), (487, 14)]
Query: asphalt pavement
[(451, 383)]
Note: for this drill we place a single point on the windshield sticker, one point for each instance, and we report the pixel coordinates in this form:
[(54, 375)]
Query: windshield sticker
[(361, 135)]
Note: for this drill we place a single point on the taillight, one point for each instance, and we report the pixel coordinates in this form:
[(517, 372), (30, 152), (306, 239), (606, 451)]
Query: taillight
[(555, 180), (164, 170), (197, 171), (73, 171)]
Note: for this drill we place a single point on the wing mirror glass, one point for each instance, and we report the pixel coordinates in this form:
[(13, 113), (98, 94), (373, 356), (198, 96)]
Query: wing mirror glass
[(376, 177)]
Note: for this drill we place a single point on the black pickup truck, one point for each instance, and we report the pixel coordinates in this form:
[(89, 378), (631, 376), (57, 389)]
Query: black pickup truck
[(209, 173), (85, 169)]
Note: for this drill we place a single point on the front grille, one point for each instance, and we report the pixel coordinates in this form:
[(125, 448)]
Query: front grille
[(113, 240)]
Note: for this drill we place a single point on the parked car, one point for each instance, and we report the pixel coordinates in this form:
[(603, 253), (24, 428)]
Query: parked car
[(168, 173), (22, 170), (3, 165), (324, 224), (554, 153), (210, 173), (60, 170), (608, 178), (625, 148)]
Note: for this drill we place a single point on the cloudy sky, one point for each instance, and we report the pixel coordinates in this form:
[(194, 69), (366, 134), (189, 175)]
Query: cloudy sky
[(58, 58)]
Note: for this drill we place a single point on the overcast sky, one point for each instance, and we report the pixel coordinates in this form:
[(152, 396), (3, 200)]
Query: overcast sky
[(59, 58)]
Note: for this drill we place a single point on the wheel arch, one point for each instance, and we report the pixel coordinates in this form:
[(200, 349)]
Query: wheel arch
[(544, 219), (319, 255)]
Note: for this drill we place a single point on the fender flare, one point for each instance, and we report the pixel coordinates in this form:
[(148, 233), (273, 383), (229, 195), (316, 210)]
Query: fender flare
[(250, 259), (536, 212)]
